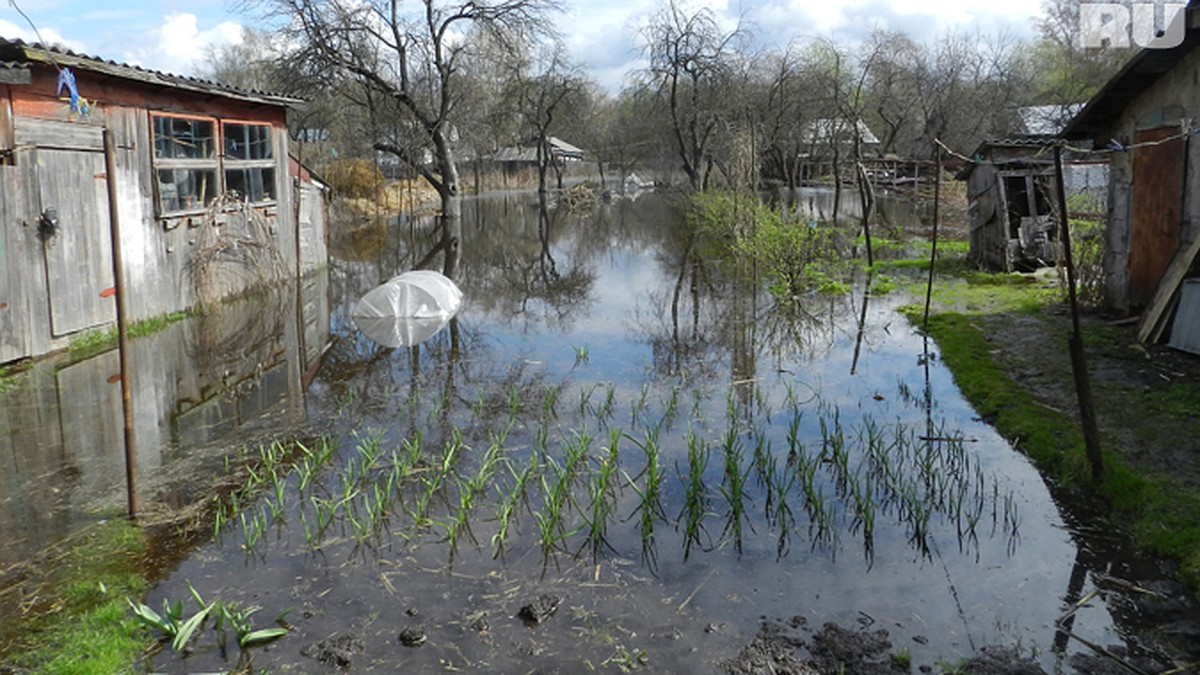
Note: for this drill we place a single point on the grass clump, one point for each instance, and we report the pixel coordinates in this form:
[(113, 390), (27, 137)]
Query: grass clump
[(92, 342), (354, 178), (81, 622)]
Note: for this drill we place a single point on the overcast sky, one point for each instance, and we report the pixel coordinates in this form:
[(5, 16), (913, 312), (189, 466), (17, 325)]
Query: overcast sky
[(171, 35)]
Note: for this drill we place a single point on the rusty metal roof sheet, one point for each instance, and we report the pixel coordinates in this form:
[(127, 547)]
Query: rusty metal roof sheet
[(19, 53)]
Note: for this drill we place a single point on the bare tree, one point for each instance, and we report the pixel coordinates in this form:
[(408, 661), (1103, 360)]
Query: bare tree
[(689, 55), (552, 91), (409, 57)]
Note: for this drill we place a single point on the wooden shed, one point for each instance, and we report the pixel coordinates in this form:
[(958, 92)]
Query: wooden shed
[(1010, 190), (1146, 116), (206, 200)]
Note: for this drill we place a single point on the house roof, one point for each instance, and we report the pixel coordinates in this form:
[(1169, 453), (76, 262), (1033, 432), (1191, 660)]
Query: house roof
[(824, 130), (1046, 120), (18, 54), (1031, 157), (564, 147), (527, 153), (1139, 74)]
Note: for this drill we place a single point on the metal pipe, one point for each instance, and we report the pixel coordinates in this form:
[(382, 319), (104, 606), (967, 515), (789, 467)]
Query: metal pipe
[(118, 264)]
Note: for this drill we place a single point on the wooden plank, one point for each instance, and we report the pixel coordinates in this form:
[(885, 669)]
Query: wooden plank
[(55, 134), (1153, 321), (1157, 219), (7, 139), (12, 318)]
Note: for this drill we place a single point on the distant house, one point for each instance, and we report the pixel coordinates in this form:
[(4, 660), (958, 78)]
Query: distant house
[(514, 158), (829, 138), (1146, 116), (207, 202)]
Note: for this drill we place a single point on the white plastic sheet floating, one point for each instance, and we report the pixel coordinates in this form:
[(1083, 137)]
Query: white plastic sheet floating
[(409, 309)]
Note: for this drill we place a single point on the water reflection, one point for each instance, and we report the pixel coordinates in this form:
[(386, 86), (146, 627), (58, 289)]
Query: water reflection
[(199, 386), (891, 212)]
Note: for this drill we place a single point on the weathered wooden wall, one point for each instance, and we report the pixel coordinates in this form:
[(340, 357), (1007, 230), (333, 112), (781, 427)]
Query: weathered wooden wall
[(198, 386), (989, 229)]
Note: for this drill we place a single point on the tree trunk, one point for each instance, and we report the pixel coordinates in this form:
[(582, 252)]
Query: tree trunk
[(451, 198)]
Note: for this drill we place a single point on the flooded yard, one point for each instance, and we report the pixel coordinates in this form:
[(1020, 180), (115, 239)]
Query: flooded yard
[(615, 457)]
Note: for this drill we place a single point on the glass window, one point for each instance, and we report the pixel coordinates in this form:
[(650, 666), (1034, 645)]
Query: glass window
[(184, 138), (191, 173), (256, 184), (186, 189), (247, 141)]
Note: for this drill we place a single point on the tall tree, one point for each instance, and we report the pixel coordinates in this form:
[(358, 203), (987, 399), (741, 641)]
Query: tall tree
[(409, 56), (552, 90), (690, 56), (1068, 72)]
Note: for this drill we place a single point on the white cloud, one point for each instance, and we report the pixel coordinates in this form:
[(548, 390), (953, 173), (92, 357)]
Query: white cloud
[(48, 36), (821, 16), (181, 45)]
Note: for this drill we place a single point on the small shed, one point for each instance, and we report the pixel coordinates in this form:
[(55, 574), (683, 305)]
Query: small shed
[(207, 201), (1145, 117), (1010, 196)]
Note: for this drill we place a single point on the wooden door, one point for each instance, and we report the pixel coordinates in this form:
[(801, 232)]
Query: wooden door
[(79, 252), (1157, 210)]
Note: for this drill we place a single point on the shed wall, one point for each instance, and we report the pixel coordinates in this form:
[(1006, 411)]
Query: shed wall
[(57, 147), (1172, 100)]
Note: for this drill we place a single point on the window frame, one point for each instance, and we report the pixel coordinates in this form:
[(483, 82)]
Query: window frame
[(262, 164), (219, 164)]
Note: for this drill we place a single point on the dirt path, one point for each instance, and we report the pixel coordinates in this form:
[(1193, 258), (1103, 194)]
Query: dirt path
[(1140, 392)]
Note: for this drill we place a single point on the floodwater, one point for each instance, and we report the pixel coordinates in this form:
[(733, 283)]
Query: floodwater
[(815, 463)]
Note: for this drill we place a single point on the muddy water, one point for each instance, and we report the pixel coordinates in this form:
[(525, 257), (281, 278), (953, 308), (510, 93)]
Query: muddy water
[(813, 469)]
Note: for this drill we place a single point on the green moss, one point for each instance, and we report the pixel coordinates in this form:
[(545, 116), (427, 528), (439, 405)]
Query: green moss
[(9, 378), (81, 623), (93, 342)]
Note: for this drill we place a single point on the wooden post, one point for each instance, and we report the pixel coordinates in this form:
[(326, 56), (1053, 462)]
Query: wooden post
[(1083, 386), (114, 226), (937, 200)]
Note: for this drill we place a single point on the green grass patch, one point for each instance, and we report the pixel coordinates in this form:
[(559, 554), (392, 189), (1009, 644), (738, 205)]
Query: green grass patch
[(9, 378), (1158, 512), (81, 623)]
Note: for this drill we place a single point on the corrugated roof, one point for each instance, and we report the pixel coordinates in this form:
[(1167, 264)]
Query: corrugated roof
[(1139, 74), (13, 72), (19, 53)]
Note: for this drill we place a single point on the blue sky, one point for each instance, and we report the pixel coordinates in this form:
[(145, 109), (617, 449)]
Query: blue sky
[(172, 35)]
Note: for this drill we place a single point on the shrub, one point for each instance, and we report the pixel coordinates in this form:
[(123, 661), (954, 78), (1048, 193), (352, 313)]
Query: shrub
[(795, 256)]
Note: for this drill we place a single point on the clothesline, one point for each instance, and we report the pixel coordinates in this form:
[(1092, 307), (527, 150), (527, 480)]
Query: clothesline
[(1114, 146)]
